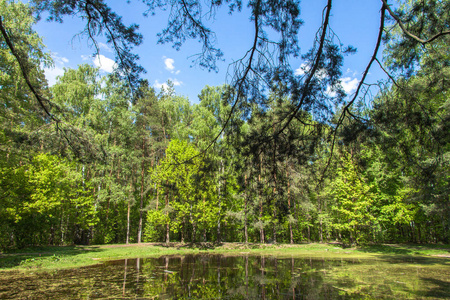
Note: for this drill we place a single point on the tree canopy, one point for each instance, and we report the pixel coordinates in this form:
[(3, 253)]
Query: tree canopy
[(273, 156)]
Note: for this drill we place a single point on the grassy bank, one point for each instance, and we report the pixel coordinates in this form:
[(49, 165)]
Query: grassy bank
[(47, 258)]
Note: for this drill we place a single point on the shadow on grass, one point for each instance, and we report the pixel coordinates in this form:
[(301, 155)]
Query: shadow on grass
[(387, 249), (409, 253), (216, 245), (400, 259), (36, 255), (198, 245), (439, 289), (404, 249)]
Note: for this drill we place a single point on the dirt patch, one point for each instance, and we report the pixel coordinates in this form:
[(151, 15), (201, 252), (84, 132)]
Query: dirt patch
[(442, 255)]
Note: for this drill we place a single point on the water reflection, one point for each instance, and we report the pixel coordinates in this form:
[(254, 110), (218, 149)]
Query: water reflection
[(221, 277), (235, 277)]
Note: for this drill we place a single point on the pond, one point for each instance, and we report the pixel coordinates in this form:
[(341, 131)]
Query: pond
[(241, 277)]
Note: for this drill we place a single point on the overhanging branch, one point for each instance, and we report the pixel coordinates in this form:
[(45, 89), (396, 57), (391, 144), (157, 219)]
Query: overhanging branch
[(314, 68), (240, 84), (366, 71), (22, 66), (407, 32)]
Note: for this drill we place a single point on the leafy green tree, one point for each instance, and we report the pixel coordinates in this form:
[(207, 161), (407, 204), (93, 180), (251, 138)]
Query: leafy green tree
[(51, 205), (392, 205), (58, 194), (22, 122), (17, 22), (353, 201), (208, 120), (411, 121), (149, 146), (120, 178), (13, 192), (176, 115), (190, 200)]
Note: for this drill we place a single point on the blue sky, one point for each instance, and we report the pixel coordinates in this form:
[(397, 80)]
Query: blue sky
[(355, 23)]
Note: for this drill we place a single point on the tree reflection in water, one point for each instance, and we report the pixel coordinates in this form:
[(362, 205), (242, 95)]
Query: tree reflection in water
[(225, 277)]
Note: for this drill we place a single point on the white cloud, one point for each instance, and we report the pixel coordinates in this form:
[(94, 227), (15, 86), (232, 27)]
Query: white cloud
[(59, 60), (349, 85), (320, 73), (104, 63), (330, 93), (176, 82), (159, 85), (104, 47), (354, 73), (169, 63), (57, 69), (52, 73), (164, 85), (302, 69)]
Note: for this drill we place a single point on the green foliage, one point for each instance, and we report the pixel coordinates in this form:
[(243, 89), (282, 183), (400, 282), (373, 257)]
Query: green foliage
[(153, 227), (412, 145), (126, 164), (20, 115), (353, 202), (189, 193), (50, 190)]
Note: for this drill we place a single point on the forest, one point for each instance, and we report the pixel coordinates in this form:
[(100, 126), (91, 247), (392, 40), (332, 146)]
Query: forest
[(271, 157)]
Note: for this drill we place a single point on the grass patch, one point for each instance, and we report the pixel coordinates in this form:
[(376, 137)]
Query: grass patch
[(408, 249), (47, 258)]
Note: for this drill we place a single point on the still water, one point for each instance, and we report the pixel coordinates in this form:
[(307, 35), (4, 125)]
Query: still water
[(242, 277)]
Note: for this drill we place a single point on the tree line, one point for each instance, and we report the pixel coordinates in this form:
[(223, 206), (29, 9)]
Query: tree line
[(121, 163)]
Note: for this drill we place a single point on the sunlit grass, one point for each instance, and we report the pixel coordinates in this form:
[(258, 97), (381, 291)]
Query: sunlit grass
[(45, 258)]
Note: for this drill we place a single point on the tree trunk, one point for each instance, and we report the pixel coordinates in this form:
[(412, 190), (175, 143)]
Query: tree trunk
[(157, 198), (220, 191), (291, 236), (274, 222), (320, 220), (320, 230), (132, 186), (245, 211), (274, 176), (167, 213), (167, 233), (141, 203), (128, 222), (194, 229), (183, 230), (261, 230)]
